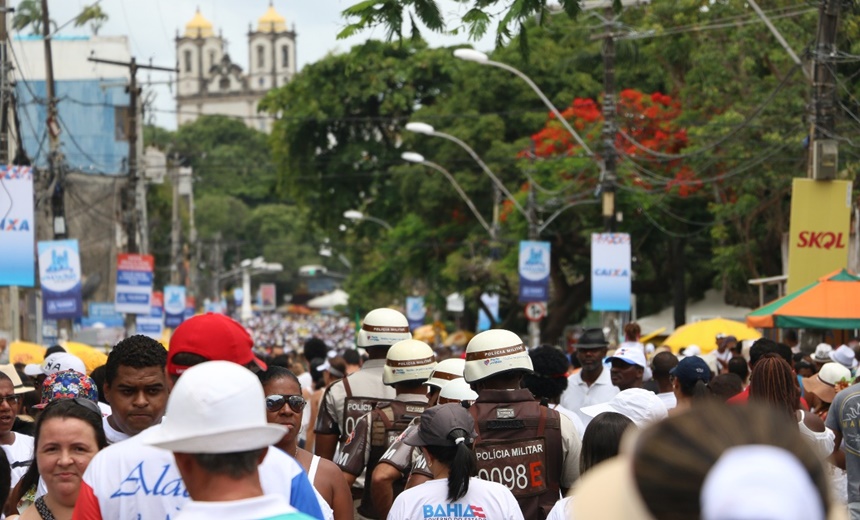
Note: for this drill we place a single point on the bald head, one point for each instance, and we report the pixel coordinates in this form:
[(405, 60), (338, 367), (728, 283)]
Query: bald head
[(662, 364)]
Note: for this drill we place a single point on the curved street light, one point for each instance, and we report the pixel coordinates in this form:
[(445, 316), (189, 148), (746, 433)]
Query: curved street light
[(354, 214), (424, 128), (479, 57), (417, 158)]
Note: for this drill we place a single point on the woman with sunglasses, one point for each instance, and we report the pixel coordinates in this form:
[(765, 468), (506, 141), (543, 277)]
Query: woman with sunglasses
[(285, 405), (68, 435)]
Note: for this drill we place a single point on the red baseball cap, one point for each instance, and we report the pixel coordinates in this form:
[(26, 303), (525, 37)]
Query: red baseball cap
[(214, 337)]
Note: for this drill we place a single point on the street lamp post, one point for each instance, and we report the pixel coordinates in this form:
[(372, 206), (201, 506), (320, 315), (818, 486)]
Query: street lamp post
[(354, 214), (419, 159), (483, 59), (424, 128)]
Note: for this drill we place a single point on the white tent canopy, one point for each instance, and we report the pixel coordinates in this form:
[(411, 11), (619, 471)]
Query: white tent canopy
[(711, 306), (327, 301)]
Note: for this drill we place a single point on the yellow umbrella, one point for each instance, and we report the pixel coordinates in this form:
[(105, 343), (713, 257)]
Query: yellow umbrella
[(704, 334), (27, 353), (91, 357), (648, 337)]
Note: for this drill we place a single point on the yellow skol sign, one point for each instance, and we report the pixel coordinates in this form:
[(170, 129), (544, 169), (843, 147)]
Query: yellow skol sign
[(819, 230)]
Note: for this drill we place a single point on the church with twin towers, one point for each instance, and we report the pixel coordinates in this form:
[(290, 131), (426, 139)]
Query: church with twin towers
[(210, 83)]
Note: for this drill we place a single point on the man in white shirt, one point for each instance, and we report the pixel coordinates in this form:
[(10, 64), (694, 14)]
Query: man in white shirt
[(219, 435), (661, 365), (592, 384)]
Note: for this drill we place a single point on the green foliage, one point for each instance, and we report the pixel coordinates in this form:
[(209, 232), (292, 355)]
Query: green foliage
[(93, 15), (236, 205), (392, 14)]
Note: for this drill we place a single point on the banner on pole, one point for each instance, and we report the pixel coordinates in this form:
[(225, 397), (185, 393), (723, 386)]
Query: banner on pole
[(102, 314), (190, 306), (174, 305), (819, 230), (534, 271), (17, 227), (267, 297), (492, 303), (152, 325), (134, 283), (60, 276), (610, 272), (415, 311)]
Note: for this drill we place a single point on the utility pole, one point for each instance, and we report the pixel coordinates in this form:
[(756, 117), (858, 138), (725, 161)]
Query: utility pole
[(609, 126), (823, 156), (133, 206), (58, 209), (175, 227), (534, 234)]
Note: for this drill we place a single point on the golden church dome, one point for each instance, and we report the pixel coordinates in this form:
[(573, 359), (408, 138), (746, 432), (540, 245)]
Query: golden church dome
[(199, 27), (272, 21)]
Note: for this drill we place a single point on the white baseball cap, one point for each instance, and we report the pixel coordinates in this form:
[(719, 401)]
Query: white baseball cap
[(215, 407), (56, 362), (759, 482), (632, 355), (641, 406)]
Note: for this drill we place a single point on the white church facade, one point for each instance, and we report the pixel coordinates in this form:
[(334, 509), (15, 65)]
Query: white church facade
[(210, 83)]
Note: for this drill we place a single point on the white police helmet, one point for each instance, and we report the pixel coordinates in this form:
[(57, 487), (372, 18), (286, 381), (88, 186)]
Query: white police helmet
[(457, 390), (493, 352), (408, 360), (447, 370), (383, 327)]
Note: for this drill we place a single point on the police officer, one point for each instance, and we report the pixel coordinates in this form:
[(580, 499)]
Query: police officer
[(526, 446), (346, 400), (408, 364), (399, 459)]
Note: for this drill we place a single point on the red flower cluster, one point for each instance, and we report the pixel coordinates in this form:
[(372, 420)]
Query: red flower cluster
[(650, 120)]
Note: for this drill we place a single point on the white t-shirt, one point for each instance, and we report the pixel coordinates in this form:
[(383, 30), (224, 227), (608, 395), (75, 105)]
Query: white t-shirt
[(130, 479), (429, 501), (20, 455), (258, 508), (579, 395), (668, 399), (113, 436), (561, 511), (574, 418)]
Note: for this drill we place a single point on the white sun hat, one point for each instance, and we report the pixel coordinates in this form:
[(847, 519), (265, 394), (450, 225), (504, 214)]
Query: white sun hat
[(215, 407)]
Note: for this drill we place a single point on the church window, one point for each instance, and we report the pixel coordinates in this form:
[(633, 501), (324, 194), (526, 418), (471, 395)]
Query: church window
[(285, 56), (211, 59), (261, 56), (187, 58)]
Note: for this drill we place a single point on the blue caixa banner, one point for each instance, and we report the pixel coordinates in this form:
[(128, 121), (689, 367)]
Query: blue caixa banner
[(17, 227), (174, 305), (534, 271), (610, 272), (60, 276)]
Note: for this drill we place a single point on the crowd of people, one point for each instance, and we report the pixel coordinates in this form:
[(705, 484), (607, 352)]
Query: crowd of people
[(208, 428), (276, 333)]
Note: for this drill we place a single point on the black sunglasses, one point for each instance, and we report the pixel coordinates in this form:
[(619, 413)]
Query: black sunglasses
[(277, 401)]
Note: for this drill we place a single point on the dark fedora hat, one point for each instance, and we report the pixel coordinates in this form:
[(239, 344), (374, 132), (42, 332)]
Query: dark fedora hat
[(592, 338)]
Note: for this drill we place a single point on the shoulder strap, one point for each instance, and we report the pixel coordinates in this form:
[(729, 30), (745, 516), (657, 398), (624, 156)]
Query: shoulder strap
[(474, 413), (346, 386), (542, 421), (315, 462)]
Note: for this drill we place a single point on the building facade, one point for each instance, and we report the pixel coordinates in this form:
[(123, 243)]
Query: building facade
[(210, 83)]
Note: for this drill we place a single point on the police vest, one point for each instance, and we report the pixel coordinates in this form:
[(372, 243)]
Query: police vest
[(519, 446), (387, 422), (354, 407)]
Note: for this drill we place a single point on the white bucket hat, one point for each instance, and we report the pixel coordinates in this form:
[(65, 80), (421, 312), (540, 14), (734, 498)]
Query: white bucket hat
[(641, 406), (215, 407), (844, 355)]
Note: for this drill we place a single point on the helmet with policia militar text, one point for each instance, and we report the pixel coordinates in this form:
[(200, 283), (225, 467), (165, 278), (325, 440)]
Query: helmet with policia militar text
[(408, 360), (493, 352), (383, 328), (447, 370)]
